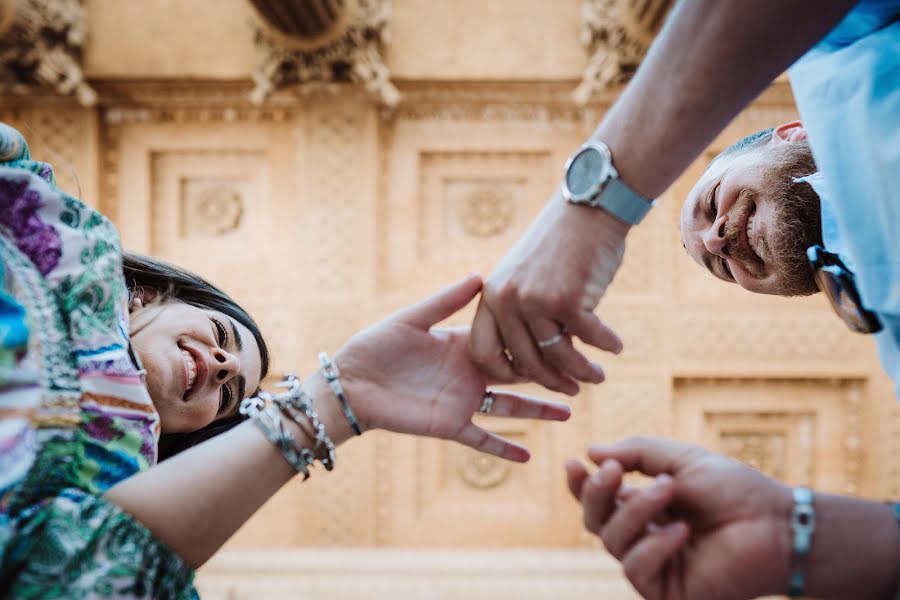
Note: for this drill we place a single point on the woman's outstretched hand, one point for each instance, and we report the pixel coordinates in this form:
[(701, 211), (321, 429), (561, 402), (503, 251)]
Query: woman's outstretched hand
[(404, 376)]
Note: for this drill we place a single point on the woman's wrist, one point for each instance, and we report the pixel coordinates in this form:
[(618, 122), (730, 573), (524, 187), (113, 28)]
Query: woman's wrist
[(328, 407)]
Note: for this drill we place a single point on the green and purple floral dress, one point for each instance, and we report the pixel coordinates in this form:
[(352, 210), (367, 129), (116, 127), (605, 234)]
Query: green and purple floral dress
[(75, 416)]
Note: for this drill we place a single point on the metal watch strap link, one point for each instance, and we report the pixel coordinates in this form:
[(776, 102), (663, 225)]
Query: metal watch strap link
[(803, 523)]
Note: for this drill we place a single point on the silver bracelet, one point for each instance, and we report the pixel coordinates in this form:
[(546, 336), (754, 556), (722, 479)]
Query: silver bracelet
[(332, 376), (297, 404), (803, 523), (267, 420)]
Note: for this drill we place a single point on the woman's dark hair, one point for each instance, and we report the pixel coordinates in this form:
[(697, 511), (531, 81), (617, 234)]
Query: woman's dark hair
[(158, 281)]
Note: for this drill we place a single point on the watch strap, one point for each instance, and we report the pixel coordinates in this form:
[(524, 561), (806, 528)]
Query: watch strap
[(623, 202)]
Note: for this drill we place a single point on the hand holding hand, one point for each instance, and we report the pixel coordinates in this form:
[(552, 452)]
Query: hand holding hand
[(708, 528), (550, 282), (403, 376)]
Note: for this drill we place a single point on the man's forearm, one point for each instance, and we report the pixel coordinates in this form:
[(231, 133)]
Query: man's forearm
[(855, 550), (709, 61)]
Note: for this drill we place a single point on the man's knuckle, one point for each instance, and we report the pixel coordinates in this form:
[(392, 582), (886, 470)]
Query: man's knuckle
[(633, 572)]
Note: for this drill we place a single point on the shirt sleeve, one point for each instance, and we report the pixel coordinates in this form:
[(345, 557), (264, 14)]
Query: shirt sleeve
[(78, 545)]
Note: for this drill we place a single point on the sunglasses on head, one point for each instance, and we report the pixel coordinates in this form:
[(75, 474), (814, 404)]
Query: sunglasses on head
[(839, 285)]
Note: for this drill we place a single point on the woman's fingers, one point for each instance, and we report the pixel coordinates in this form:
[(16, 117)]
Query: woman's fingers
[(442, 304), (490, 443), (509, 404)]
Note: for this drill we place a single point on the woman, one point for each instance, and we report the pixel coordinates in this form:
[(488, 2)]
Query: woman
[(151, 283), (85, 510)]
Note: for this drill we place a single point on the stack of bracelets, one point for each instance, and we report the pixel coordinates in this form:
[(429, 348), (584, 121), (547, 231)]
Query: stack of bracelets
[(268, 411)]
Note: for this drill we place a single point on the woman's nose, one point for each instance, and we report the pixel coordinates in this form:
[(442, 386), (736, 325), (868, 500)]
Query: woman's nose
[(714, 237), (226, 365)]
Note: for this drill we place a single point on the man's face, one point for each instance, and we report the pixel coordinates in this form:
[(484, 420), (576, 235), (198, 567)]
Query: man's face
[(747, 222)]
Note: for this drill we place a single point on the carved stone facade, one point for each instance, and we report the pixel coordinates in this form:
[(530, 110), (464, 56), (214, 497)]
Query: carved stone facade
[(41, 43), (314, 45), (323, 213), (616, 34)]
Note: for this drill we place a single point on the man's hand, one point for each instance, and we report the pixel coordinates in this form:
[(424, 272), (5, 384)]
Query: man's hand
[(708, 528), (550, 282)]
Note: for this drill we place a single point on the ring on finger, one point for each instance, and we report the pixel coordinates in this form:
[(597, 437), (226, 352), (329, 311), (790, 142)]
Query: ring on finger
[(487, 403), (553, 340)]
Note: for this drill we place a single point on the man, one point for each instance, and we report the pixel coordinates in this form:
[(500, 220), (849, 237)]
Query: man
[(710, 528), (708, 62), (749, 220), (760, 206)]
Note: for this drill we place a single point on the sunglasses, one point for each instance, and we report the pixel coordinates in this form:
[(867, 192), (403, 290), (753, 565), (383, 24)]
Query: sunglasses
[(838, 283)]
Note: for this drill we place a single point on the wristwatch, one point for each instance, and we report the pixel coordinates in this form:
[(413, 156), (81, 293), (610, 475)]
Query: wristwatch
[(591, 179)]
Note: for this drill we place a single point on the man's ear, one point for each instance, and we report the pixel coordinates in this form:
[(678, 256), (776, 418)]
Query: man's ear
[(789, 132)]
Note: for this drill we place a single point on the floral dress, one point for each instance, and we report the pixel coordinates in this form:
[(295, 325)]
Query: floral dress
[(75, 416)]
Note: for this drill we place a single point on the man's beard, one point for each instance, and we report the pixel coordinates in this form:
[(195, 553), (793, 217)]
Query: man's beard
[(798, 220)]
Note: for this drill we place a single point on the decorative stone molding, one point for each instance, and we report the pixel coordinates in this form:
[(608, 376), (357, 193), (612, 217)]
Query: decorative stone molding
[(211, 210), (616, 33), (316, 44), (40, 45)]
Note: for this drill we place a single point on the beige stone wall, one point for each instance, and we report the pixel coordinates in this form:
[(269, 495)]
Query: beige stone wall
[(324, 213), (524, 39)]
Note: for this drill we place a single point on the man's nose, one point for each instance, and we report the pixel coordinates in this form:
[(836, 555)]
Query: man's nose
[(226, 365), (714, 238)]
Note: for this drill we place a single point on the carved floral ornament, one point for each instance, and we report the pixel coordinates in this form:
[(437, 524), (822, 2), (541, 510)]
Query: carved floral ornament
[(40, 45), (486, 211), (617, 34), (316, 44), (213, 210)]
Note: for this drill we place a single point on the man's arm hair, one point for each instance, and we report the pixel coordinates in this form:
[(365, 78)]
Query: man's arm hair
[(709, 61)]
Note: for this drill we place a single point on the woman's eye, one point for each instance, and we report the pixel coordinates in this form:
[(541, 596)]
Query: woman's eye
[(221, 333), (226, 397)]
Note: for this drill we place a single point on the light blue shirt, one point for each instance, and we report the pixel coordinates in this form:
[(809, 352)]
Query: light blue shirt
[(847, 89)]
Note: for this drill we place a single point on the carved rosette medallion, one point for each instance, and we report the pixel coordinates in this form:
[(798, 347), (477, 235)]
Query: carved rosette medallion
[(616, 34), (314, 45), (41, 45), (483, 472), (486, 211), (214, 210)]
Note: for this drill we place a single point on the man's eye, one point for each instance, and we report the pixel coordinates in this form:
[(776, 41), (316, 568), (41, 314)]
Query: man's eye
[(221, 333), (725, 268), (713, 204)]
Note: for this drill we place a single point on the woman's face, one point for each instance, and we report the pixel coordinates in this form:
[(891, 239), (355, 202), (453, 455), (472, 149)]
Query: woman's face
[(200, 363)]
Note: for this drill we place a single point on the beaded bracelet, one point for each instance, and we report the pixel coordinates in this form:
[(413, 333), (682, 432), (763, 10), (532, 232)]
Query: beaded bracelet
[(332, 376)]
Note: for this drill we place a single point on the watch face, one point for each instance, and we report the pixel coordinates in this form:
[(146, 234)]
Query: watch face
[(586, 173)]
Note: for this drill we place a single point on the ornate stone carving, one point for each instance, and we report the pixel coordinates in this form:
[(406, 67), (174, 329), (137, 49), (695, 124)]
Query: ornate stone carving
[(211, 209), (483, 471), (764, 337), (316, 44), (40, 45), (762, 451), (486, 211), (616, 33)]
